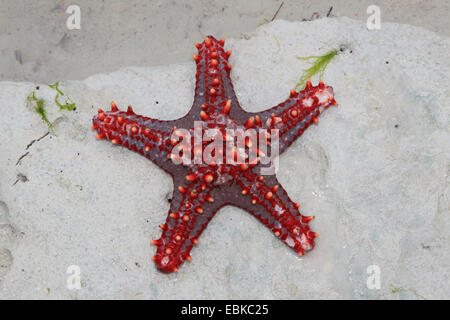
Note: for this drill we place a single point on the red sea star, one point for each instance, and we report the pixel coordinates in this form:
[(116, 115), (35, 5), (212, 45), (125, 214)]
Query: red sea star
[(202, 189)]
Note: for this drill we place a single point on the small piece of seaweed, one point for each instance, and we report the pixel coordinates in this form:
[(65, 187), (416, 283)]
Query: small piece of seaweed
[(39, 104), (67, 106), (39, 107), (318, 66), (395, 290)]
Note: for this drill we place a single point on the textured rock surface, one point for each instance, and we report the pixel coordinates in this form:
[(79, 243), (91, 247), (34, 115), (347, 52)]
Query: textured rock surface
[(374, 173)]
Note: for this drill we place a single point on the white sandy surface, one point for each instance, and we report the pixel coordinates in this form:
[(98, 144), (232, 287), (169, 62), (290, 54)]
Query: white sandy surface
[(374, 172)]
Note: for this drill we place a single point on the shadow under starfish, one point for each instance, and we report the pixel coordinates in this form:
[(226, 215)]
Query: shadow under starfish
[(202, 189)]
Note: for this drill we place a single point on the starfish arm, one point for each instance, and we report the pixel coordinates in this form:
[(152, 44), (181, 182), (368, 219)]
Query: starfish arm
[(267, 200), (149, 137), (293, 116), (213, 85), (191, 209)]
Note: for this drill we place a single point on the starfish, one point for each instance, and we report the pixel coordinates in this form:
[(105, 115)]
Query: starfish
[(201, 189)]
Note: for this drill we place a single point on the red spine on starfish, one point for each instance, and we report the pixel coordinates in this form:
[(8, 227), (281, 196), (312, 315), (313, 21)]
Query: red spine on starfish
[(201, 189)]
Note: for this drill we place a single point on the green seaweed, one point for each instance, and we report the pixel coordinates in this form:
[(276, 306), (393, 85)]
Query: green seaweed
[(55, 86), (395, 290), (318, 66), (39, 107), (66, 106), (266, 21)]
